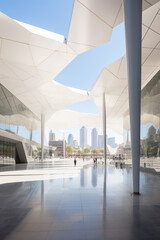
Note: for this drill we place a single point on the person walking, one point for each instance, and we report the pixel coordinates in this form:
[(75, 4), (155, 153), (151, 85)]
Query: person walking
[(75, 161)]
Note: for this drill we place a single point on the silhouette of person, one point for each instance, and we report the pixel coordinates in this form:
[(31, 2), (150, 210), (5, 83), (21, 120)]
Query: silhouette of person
[(75, 162)]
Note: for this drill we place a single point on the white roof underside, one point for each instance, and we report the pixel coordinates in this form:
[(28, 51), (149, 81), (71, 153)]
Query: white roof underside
[(113, 79), (91, 25), (30, 58), (42, 32), (73, 119), (93, 20), (69, 118)]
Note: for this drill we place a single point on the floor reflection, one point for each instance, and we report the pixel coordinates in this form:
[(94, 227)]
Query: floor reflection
[(104, 197), (94, 176), (37, 172), (84, 202), (42, 194)]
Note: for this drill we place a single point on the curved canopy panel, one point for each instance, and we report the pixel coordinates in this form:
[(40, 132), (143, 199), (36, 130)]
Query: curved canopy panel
[(92, 22), (30, 58), (20, 120), (113, 79), (145, 119), (68, 118)]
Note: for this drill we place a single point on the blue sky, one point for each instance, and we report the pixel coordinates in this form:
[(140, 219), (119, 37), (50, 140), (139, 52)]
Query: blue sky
[(85, 69), (55, 15)]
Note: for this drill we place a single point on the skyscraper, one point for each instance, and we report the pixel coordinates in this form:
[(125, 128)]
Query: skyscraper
[(100, 141), (70, 140), (83, 137), (52, 136), (111, 142), (94, 138)]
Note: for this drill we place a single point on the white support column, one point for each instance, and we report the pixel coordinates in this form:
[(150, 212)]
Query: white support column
[(30, 138), (42, 135), (133, 29), (104, 125)]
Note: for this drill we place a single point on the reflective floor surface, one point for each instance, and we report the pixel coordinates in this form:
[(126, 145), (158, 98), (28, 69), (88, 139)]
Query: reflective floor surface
[(62, 202)]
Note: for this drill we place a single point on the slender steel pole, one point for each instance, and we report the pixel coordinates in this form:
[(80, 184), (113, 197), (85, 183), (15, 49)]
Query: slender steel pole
[(104, 126), (42, 135)]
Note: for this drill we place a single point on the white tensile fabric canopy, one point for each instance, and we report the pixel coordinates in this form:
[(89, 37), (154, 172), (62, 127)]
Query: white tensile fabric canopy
[(145, 118), (68, 118), (113, 79), (20, 120), (92, 22), (30, 58)]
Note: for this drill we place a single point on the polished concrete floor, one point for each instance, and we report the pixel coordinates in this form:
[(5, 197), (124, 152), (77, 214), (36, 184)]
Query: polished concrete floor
[(62, 202)]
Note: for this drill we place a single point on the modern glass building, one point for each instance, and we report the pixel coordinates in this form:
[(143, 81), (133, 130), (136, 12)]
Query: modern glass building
[(150, 119), (100, 141), (83, 137), (150, 126), (94, 138), (70, 140), (19, 130)]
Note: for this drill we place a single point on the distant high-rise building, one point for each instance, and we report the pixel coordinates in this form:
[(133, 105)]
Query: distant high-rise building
[(94, 138), (75, 144), (52, 136), (70, 140), (100, 141), (111, 142), (83, 137)]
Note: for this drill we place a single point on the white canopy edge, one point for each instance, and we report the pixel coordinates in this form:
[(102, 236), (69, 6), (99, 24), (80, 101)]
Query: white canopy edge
[(92, 22), (68, 119), (42, 32), (30, 58), (113, 79)]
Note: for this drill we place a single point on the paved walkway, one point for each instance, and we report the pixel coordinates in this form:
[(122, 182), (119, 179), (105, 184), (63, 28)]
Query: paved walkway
[(62, 202)]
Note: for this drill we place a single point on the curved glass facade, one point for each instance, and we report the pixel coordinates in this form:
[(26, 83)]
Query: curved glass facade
[(7, 152), (150, 126), (17, 123)]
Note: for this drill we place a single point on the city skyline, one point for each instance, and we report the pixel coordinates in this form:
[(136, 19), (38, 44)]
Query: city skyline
[(59, 135)]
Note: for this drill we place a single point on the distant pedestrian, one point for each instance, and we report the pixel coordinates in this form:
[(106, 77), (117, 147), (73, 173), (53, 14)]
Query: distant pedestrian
[(95, 160), (75, 162)]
